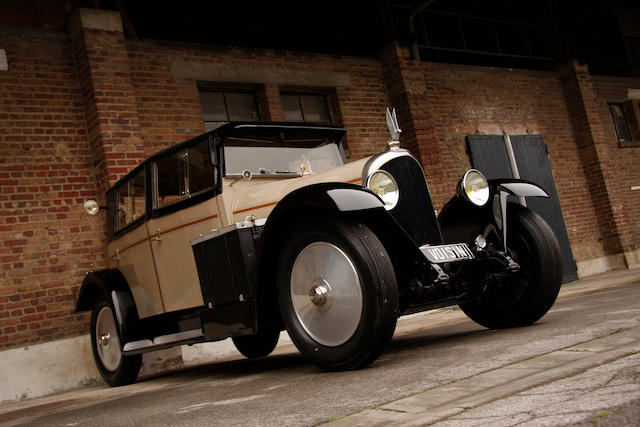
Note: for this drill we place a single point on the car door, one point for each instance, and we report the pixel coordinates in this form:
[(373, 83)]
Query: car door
[(130, 250), (184, 209)]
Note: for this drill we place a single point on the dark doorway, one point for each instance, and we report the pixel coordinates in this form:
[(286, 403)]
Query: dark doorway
[(490, 154)]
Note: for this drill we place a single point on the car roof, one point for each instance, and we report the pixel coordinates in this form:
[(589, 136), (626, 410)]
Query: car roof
[(242, 130)]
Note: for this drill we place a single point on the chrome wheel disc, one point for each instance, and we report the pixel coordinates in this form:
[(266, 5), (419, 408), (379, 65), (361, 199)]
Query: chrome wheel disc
[(107, 341), (326, 293)]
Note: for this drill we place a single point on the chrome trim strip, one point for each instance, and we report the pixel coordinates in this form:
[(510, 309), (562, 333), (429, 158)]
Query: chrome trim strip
[(228, 229), (376, 162)]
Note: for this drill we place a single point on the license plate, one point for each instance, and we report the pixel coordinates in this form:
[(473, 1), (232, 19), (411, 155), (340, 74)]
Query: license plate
[(447, 253)]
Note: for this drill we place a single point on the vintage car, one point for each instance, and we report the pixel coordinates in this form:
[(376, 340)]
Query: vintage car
[(254, 228)]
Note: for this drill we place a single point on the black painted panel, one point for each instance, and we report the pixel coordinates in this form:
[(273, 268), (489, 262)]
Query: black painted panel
[(489, 155), (414, 211), (533, 164)]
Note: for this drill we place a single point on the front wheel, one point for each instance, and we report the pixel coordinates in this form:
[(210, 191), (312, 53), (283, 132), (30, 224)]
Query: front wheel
[(337, 293), (527, 295), (116, 368)]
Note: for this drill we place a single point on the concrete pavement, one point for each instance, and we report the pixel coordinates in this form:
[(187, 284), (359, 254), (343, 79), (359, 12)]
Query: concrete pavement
[(566, 360), (452, 399)]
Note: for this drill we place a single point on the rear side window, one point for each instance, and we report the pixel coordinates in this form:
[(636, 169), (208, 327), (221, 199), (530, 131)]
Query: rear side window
[(130, 201), (183, 174)]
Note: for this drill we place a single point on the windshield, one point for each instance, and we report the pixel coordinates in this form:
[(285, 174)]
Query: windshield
[(279, 160)]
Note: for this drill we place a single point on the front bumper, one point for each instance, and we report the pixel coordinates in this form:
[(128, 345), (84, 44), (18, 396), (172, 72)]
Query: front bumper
[(447, 280)]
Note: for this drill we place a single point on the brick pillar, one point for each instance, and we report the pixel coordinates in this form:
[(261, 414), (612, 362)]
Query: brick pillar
[(589, 132), (108, 95), (407, 85), (272, 104), (395, 62), (111, 114)]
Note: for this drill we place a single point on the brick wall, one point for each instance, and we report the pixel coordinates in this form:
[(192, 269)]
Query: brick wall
[(169, 109), (46, 241), (76, 115), (78, 112), (109, 101), (447, 102), (624, 162)]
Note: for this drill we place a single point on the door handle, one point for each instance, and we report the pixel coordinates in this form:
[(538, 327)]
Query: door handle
[(116, 256), (157, 237)]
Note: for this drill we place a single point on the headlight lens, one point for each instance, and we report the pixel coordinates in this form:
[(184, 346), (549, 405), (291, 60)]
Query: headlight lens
[(383, 184), (474, 187)]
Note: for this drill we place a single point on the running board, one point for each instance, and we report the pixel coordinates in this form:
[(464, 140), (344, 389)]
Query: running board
[(163, 341)]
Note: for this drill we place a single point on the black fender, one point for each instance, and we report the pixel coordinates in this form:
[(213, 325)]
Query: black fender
[(111, 284), (457, 209), (517, 187), (337, 200)]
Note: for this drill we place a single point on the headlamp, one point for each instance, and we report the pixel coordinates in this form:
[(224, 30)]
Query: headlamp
[(473, 186), (383, 184)]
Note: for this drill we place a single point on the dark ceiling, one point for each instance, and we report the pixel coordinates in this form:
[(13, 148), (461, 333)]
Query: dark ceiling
[(553, 30)]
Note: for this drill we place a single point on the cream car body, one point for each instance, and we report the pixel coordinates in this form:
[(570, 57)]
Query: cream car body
[(258, 227)]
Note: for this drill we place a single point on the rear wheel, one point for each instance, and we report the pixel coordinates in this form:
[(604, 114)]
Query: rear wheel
[(116, 368), (337, 293), (527, 295), (260, 344)]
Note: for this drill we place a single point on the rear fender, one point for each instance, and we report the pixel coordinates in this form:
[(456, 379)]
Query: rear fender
[(111, 285)]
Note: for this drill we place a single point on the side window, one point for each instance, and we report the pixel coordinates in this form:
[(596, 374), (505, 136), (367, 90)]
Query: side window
[(306, 107), (183, 175), (130, 201), (221, 106), (200, 170), (620, 121)]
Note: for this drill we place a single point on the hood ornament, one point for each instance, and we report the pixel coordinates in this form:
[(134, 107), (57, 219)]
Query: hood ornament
[(394, 129)]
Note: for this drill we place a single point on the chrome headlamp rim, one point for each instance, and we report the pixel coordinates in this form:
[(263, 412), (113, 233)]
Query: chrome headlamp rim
[(390, 198), (477, 193)]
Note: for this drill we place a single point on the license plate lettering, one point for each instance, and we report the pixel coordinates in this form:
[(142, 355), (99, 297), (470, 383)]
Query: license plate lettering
[(447, 253)]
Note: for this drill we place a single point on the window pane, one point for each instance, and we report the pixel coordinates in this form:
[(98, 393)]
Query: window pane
[(213, 107), (271, 161), (212, 125), (137, 191), (315, 108), (200, 169), (291, 108), (617, 112), (622, 131), (131, 201), (171, 177), (620, 122), (125, 210), (242, 106)]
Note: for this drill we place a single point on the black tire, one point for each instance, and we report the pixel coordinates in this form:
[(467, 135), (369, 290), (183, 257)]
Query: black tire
[(526, 296), (363, 302), (116, 368), (260, 344)]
